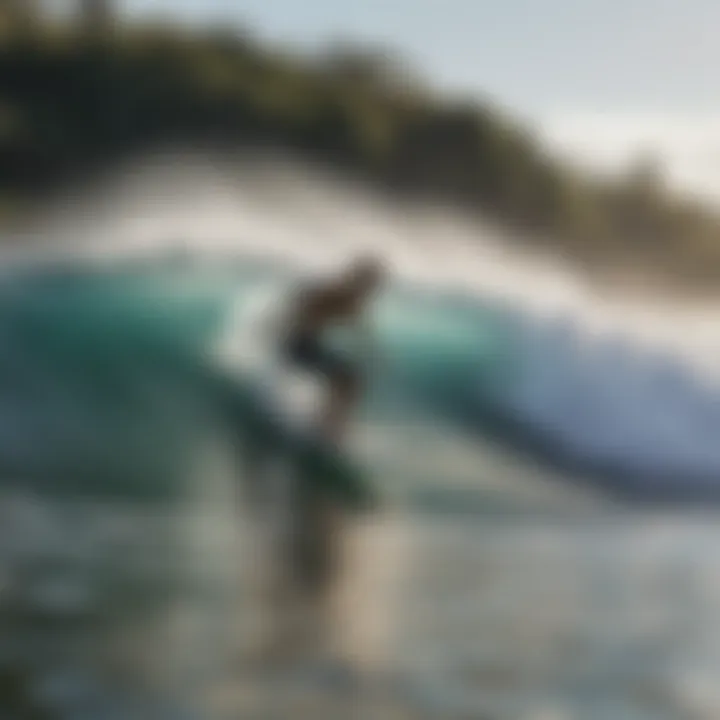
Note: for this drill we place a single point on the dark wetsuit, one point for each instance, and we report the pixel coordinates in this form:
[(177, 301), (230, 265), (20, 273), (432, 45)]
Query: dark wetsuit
[(306, 348), (307, 351)]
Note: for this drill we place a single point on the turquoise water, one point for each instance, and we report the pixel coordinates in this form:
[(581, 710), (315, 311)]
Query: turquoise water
[(111, 388), (98, 378), (109, 378)]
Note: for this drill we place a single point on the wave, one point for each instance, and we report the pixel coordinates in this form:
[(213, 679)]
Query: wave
[(110, 379)]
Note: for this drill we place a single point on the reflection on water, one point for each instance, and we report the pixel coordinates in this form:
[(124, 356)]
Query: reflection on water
[(611, 615)]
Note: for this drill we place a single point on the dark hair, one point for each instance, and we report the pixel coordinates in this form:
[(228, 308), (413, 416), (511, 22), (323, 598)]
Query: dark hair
[(366, 270)]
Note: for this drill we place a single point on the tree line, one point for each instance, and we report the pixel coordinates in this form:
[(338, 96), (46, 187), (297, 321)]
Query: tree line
[(77, 94)]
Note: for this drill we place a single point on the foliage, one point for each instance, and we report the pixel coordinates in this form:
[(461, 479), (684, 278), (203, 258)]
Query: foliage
[(71, 98)]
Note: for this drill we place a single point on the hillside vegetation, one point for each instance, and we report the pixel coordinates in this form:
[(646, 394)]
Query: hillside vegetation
[(71, 100)]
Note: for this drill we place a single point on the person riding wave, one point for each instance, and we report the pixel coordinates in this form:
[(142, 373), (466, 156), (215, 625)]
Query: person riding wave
[(316, 308)]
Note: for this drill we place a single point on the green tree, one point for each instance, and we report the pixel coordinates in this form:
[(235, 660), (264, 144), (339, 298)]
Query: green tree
[(97, 16), (20, 16)]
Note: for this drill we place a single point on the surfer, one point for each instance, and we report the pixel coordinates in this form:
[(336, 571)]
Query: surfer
[(315, 308), (296, 326), (319, 520)]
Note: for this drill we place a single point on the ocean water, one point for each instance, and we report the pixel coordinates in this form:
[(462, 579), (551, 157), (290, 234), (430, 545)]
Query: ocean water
[(494, 584), (106, 368), (521, 565), (575, 615)]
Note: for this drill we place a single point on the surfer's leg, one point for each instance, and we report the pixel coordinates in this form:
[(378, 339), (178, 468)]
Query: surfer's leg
[(317, 554), (341, 376)]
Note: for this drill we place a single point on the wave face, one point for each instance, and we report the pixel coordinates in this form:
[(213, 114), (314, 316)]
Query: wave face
[(110, 379)]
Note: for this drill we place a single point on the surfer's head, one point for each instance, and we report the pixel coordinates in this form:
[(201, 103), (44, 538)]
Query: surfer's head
[(364, 276)]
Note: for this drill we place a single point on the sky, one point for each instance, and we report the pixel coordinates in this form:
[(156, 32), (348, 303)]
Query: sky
[(601, 79)]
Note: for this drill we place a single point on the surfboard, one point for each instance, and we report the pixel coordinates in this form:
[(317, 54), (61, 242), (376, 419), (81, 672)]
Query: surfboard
[(265, 435)]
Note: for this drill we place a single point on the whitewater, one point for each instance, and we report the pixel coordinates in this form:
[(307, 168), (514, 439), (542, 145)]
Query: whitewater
[(478, 332)]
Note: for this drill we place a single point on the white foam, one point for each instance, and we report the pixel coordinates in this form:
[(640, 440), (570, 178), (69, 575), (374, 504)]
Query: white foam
[(194, 203)]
